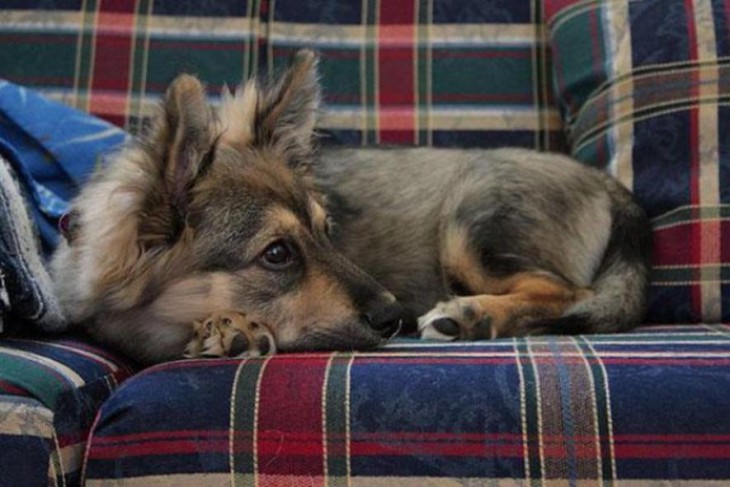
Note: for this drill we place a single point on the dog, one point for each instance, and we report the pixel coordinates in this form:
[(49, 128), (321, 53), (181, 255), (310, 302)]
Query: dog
[(228, 232)]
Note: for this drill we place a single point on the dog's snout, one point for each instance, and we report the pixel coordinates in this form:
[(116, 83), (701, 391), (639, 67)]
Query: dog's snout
[(387, 320)]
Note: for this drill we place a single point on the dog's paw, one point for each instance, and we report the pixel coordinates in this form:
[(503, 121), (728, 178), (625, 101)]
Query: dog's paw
[(229, 334), (457, 319)]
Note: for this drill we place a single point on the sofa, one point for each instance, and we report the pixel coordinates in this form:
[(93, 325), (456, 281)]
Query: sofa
[(638, 88)]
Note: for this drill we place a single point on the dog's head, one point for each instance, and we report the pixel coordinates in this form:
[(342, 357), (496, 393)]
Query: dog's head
[(236, 187)]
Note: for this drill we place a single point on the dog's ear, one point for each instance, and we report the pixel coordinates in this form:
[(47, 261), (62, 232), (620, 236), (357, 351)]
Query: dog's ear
[(286, 114), (183, 137)]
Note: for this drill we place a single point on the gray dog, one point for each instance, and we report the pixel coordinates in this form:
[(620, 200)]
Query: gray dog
[(225, 233)]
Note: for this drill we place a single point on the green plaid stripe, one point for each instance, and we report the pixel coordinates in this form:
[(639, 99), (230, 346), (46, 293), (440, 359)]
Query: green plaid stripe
[(424, 9), (690, 274), (336, 420), (85, 55), (242, 435), (138, 64), (250, 57), (539, 75), (687, 214), (369, 77)]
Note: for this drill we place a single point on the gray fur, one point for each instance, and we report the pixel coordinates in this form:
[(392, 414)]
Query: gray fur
[(178, 227), (524, 211)]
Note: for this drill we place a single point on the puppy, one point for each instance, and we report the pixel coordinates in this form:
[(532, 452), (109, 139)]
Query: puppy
[(236, 209)]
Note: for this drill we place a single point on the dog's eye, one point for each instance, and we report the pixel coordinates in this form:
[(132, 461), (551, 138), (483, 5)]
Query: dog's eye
[(277, 256)]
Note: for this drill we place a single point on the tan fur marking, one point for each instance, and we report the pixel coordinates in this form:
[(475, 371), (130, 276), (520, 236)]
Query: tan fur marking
[(321, 298), (528, 297), (460, 262), (283, 219), (319, 215), (528, 300), (237, 113), (279, 223)]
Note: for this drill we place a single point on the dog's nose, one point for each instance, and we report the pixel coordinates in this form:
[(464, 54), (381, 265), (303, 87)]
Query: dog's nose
[(388, 320)]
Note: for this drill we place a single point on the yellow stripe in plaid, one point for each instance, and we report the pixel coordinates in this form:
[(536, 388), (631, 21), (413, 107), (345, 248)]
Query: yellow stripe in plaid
[(709, 160), (440, 35)]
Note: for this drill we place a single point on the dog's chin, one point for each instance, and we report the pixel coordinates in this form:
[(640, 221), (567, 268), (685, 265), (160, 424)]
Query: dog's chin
[(346, 338)]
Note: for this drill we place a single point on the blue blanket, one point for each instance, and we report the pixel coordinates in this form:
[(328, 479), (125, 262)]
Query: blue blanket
[(47, 151)]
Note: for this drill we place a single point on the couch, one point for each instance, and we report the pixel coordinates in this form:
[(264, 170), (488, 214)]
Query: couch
[(639, 88)]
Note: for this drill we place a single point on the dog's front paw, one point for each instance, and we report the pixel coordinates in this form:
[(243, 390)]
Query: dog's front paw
[(229, 334), (457, 319)]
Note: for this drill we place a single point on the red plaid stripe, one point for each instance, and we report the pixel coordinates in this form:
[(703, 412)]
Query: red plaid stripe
[(396, 71)]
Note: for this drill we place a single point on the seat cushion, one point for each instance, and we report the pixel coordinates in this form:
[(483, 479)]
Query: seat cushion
[(50, 392), (641, 407)]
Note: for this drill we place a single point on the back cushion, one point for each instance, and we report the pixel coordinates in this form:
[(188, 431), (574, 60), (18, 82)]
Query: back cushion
[(467, 73), (644, 88)]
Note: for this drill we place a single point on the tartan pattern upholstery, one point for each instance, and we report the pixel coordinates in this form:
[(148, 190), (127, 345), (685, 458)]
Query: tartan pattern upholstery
[(50, 392), (610, 410), (408, 72), (624, 410), (644, 88)]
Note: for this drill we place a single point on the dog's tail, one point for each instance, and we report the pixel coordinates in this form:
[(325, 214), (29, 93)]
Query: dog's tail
[(622, 280)]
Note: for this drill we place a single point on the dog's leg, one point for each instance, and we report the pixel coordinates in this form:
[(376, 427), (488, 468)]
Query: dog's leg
[(173, 325), (230, 334), (530, 299)]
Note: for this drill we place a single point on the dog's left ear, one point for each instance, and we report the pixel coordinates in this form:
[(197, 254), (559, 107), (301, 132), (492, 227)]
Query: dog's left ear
[(286, 114)]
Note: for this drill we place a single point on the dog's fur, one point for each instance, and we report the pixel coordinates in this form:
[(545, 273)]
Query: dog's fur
[(235, 209)]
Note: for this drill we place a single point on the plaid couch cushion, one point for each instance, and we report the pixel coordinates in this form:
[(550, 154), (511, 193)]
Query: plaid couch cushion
[(465, 73), (50, 391), (633, 409), (644, 88)]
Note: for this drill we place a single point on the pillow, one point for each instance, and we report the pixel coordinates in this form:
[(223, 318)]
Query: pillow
[(644, 90)]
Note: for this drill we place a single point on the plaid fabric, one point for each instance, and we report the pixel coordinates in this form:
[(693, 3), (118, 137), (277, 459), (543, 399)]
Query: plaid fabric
[(50, 392), (645, 88), (435, 72), (632, 409)]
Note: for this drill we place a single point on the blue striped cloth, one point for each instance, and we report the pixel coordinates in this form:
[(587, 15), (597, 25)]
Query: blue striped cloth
[(47, 151), (53, 149)]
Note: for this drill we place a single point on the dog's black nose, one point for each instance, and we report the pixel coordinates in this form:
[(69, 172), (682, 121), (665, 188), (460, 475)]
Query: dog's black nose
[(388, 320)]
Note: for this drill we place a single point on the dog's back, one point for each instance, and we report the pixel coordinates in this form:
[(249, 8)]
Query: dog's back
[(433, 223), (214, 214)]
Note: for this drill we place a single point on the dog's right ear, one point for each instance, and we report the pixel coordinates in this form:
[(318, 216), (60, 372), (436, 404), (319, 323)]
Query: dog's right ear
[(183, 137)]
